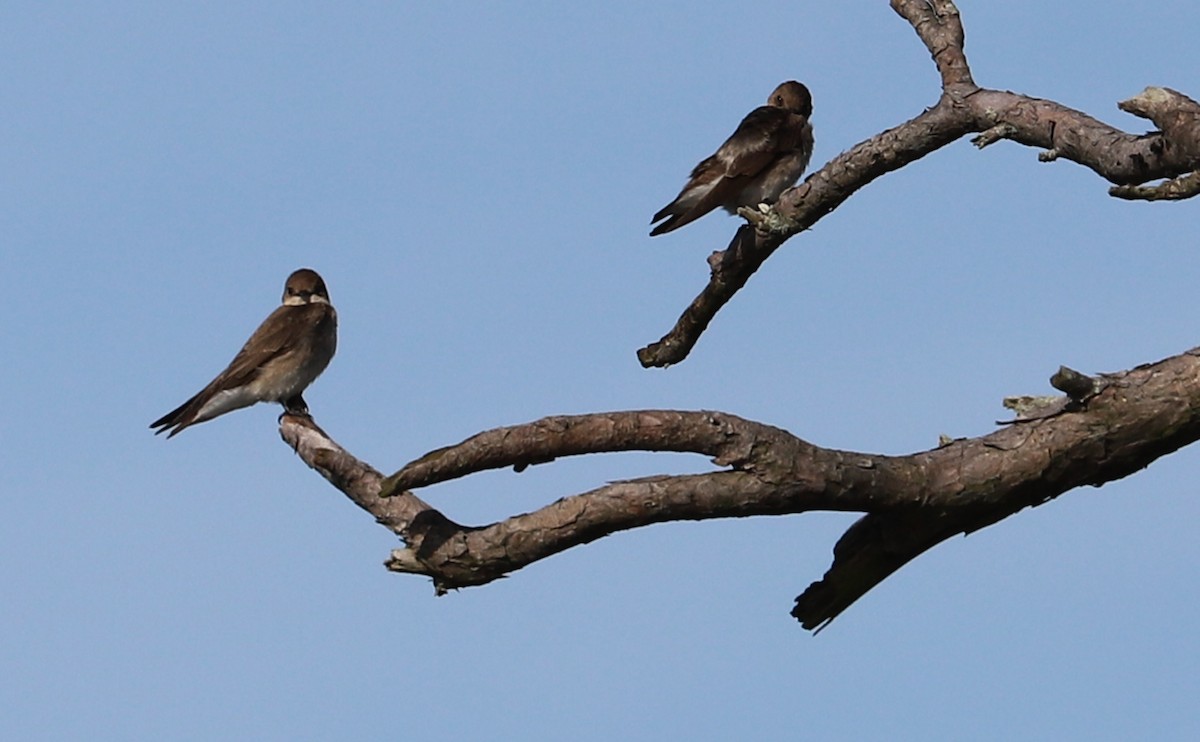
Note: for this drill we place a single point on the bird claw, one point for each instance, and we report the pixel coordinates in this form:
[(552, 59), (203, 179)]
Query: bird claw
[(296, 406)]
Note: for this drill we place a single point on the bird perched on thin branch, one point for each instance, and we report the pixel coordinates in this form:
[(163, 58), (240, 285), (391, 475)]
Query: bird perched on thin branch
[(764, 157), (287, 352)]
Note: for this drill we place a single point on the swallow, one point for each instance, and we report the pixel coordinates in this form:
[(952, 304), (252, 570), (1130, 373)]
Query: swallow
[(761, 159), (287, 352)]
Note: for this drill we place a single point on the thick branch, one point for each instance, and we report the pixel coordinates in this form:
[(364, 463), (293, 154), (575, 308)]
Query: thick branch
[(1175, 114), (728, 439), (1164, 415), (1178, 116), (464, 556), (914, 502), (1065, 133), (939, 27)]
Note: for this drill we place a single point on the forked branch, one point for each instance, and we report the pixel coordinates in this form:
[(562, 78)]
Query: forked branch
[(913, 502), (1104, 429), (963, 108)]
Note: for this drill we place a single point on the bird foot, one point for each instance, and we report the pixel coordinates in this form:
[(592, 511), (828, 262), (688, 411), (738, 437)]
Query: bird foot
[(295, 406)]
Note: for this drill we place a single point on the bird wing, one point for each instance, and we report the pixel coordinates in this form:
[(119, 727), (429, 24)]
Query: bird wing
[(277, 336), (763, 135)]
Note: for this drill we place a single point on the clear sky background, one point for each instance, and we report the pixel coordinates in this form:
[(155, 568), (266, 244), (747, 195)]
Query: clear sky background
[(475, 182)]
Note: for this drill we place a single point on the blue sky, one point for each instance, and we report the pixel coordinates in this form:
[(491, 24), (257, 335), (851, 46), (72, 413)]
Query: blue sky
[(475, 182)]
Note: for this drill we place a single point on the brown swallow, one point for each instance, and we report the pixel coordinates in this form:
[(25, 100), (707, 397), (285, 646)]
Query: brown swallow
[(285, 354), (764, 157)]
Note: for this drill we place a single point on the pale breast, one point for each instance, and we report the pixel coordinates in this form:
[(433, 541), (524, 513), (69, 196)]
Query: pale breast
[(290, 374), (773, 181)]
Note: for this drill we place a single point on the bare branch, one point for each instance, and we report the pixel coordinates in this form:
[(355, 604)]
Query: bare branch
[(463, 557), (963, 108), (1106, 428), (356, 479), (1175, 114), (940, 29), (1065, 133), (1175, 189), (728, 439), (1138, 412), (913, 502)]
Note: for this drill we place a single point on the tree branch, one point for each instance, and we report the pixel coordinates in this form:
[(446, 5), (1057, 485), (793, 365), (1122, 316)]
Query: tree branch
[(1106, 428), (730, 440), (1174, 189), (405, 514), (963, 108), (913, 502)]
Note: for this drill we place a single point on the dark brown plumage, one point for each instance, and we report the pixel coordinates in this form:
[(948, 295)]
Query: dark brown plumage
[(765, 156)]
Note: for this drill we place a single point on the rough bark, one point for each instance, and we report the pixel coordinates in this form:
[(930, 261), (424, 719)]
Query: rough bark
[(913, 502), (1104, 429)]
